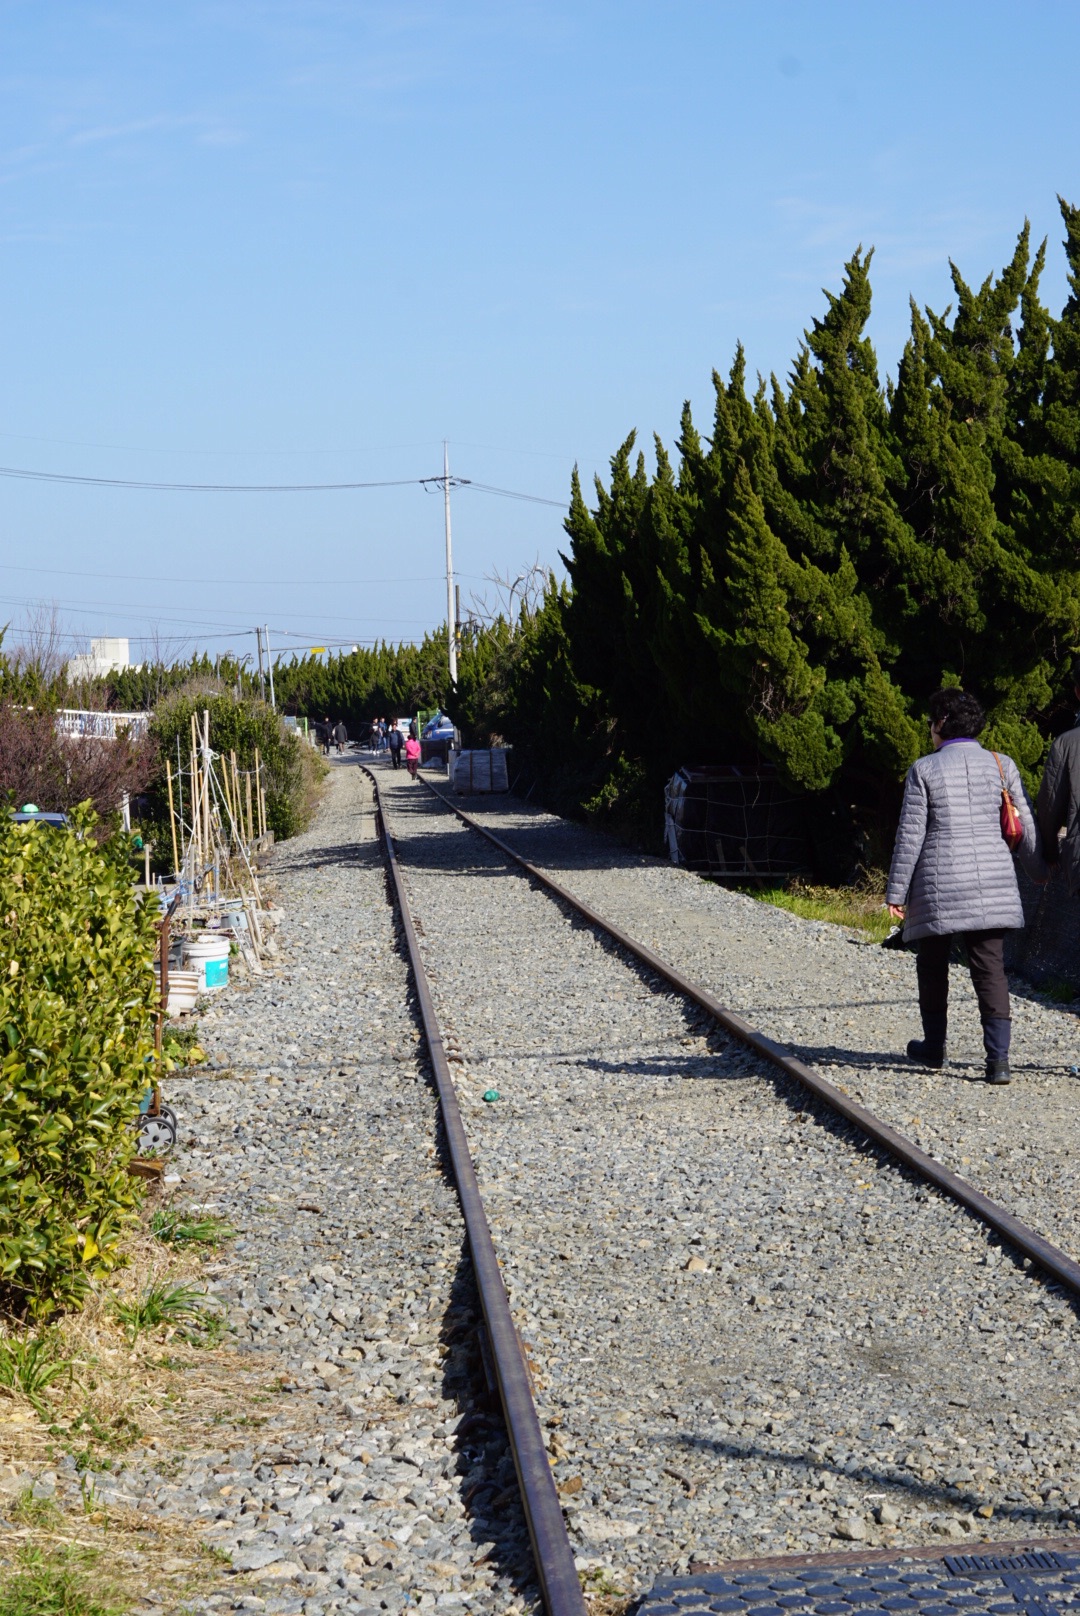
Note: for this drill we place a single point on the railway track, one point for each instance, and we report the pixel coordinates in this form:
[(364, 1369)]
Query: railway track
[(849, 1128), (1054, 1262)]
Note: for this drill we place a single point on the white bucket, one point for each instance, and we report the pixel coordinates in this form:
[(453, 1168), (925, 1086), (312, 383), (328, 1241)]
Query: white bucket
[(183, 990), (208, 955)]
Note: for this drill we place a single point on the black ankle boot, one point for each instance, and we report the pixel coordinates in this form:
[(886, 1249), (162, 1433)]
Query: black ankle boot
[(997, 1071), (926, 1053), (929, 1050)]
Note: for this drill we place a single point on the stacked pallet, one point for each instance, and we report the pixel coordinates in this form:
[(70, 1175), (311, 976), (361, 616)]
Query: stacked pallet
[(480, 770)]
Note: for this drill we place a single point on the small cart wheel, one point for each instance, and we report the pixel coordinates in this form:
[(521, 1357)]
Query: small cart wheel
[(157, 1135)]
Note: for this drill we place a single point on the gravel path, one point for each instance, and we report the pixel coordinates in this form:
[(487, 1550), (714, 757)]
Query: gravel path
[(849, 1010), (750, 1334), (380, 1480)]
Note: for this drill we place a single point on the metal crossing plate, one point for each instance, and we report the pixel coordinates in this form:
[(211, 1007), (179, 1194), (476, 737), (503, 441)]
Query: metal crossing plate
[(1032, 1583)]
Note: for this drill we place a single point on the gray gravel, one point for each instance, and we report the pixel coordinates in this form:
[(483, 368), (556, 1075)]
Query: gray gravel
[(381, 1478), (849, 1009), (750, 1334)]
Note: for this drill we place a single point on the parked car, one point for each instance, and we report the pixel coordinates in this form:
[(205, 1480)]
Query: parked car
[(436, 739), (30, 814)]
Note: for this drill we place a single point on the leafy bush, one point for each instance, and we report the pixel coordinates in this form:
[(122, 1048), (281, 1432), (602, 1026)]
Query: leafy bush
[(291, 768), (76, 1031)]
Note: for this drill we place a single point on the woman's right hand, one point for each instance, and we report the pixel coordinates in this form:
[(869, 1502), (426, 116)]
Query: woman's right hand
[(896, 910)]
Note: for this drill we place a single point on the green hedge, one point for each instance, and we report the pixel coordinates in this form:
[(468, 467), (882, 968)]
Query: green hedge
[(292, 770), (76, 1028)]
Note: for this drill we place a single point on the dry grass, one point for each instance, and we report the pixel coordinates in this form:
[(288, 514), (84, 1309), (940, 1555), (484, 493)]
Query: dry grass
[(148, 1400)]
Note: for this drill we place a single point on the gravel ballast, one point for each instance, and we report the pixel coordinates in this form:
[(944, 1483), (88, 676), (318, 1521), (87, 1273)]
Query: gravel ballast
[(381, 1479), (848, 1009), (750, 1334)]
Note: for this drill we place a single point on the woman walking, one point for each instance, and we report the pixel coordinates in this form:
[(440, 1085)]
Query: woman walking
[(412, 756), (952, 872)]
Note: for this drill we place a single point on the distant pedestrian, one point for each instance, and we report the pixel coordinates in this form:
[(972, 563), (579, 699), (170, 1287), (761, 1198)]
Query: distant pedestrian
[(1059, 800), (326, 732), (341, 736), (396, 741), (412, 756), (952, 872)]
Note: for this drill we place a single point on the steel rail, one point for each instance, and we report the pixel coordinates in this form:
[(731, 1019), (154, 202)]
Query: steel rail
[(552, 1552), (1050, 1258)]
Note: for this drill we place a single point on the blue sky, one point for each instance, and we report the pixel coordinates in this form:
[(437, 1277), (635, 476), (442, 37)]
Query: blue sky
[(246, 241)]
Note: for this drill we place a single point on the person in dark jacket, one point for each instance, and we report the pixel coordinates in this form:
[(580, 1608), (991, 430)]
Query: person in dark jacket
[(397, 741), (341, 736), (1058, 804), (952, 875)]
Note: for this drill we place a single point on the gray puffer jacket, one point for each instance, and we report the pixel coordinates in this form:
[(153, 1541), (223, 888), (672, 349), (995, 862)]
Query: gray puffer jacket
[(951, 865)]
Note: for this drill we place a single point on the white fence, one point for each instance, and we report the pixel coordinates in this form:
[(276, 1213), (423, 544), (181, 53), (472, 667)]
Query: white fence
[(102, 726)]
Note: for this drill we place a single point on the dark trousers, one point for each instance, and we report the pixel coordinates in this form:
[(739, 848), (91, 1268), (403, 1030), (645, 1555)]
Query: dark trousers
[(986, 963), (395, 756)]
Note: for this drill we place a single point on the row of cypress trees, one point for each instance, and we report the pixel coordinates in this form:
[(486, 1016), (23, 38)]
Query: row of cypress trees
[(792, 586)]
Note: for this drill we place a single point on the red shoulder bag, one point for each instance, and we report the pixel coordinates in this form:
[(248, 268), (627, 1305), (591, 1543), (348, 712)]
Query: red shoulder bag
[(1011, 827)]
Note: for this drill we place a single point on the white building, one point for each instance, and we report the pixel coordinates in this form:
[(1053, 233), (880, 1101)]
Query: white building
[(106, 656)]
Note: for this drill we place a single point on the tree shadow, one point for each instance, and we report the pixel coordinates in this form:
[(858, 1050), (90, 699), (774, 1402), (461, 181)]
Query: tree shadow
[(353, 855), (483, 1464), (940, 1494)]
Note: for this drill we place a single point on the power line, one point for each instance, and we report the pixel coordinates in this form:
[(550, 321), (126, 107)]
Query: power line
[(94, 609), (273, 583), (151, 608), (510, 493), (234, 454), (70, 478), (201, 488)]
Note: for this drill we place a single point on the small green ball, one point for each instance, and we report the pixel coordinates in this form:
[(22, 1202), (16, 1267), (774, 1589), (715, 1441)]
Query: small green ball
[(492, 1094)]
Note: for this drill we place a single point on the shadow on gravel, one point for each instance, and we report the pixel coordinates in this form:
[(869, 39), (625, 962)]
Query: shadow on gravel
[(539, 842), (483, 1464), (932, 1494), (351, 855), (960, 1071), (702, 1068), (872, 1059)]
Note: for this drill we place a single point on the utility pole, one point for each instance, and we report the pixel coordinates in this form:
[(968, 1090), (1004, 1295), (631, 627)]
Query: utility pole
[(262, 676), (270, 666), (451, 622)]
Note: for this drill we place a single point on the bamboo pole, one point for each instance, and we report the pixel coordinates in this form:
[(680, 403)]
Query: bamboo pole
[(257, 898), (260, 795), (234, 792), (250, 821), (226, 786), (207, 765), (195, 841), (172, 817)]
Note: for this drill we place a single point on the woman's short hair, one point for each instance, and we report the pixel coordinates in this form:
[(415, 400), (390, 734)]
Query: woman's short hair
[(963, 716)]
